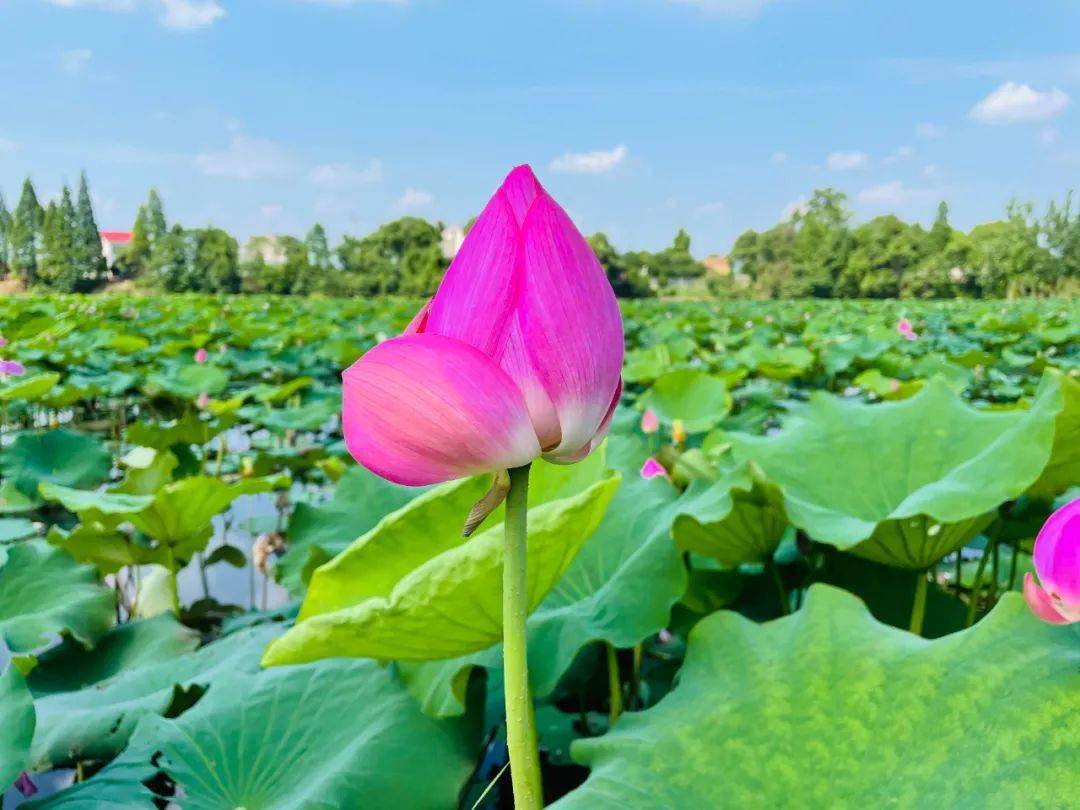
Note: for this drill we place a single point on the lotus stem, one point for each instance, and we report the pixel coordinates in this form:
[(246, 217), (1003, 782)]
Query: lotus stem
[(918, 605), (781, 591), (614, 685), (635, 680), (520, 715), (976, 586)]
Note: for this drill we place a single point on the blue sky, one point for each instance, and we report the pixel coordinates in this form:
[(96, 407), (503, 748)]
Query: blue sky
[(640, 116)]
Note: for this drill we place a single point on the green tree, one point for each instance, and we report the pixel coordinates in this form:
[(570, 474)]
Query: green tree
[(89, 261), (25, 238), (941, 230), (5, 238), (216, 266), (403, 257), (57, 267), (886, 248), (171, 261), (627, 278), (820, 247), (1061, 227)]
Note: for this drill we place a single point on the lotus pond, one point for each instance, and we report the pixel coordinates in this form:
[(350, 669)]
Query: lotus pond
[(811, 601)]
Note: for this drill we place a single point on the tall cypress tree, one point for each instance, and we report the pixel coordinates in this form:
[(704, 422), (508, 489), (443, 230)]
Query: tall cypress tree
[(156, 227), (25, 235), (50, 258), (69, 277), (88, 257), (5, 234)]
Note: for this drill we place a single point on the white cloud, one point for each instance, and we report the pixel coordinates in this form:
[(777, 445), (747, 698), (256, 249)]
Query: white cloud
[(187, 15), (1013, 102), (245, 159), (930, 170), (345, 175), (8, 146), (895, 193), (846, 161), (731, 8), (270, 210), (930, 131), (414, 198), (596, 162), (778, 158), (898, 154), (74, 61)]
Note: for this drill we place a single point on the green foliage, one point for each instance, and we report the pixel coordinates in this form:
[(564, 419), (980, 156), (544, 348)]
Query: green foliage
[(885, 718), (17, 719)]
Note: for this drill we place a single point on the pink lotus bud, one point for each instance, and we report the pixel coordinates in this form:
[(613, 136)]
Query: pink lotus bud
[(11, 368), (203, 401), (518, 355), (201, 355), (1057, 562), (3, 341), (649, 422), (652, 468), (906, 330)]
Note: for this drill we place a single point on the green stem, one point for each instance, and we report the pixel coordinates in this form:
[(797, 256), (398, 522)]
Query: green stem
[(976, 587), (918, 605), (614, 686), (170, 562), (635, 679), (781, 591), (520, 715), (1012, 566)]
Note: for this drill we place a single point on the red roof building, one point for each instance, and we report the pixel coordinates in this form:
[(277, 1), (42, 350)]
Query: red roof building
[(111, 243)]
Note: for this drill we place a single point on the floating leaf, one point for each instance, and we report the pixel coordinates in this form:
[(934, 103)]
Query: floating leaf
[(699, 399), (1063, 469), (29, 388), (59, 456), (829, 708)]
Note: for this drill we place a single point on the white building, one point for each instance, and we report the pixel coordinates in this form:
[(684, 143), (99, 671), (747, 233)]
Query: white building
[(113, 244), (453, 237)]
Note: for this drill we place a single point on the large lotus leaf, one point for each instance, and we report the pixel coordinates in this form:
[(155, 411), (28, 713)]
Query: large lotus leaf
[(94, 504), (1063, 469), (738, 519), (829, 708), (318, 533), (13, 501), (29, 388), (127, 646), (334, 734), (59, 456), (96, 721), (43, 592), (412, 589), (699, 399), (179, 515), (903, 482), (188, 382), (12, 529), (17, 722), (620, 588), (105, 547), (191, 428)]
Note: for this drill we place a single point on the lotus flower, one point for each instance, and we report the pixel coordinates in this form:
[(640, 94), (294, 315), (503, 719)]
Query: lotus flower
[(203, 402), (649, 422), (906, 330), (652, 468), (201, 355), (3, 341), (1057, 562), (11, 368), (517, 356)]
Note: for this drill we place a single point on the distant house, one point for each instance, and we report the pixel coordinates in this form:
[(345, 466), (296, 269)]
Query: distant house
[(453, 237), (113, 244), (268, 248), (717, 265)]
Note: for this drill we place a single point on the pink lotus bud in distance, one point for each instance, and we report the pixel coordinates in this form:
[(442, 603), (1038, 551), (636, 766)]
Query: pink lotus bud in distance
[(201, 355), (906, 330), (652, 468), (1057, 562), (517, 356), (3, 341), (649, 422), (11, 368), (203, 401)]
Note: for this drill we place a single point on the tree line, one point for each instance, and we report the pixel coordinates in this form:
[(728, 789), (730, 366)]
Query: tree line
[(816, 252)]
